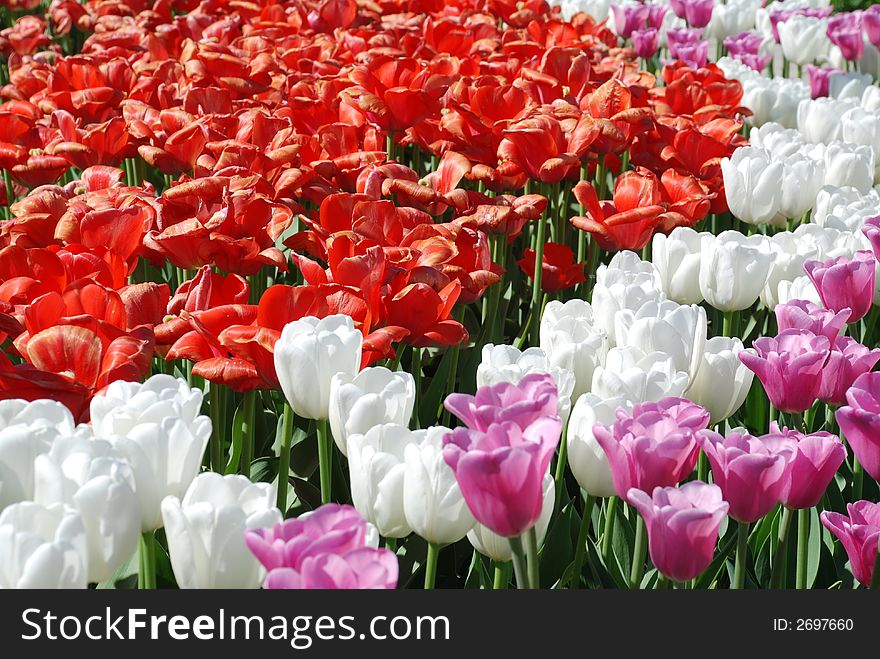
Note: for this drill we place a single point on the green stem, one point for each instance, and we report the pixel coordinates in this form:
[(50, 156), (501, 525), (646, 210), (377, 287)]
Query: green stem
[(530, 542), (638, 564), (147, 574), (417, 377), (608, 532), (580, 549), (742, 551), (519, 562), (247, 432), (779, 559), (284, 458), (325, 458), (431, 565), (391, 544), (536, 282), (501, 576), (728, 323), (702, 467), (561, 461), (803, 548)]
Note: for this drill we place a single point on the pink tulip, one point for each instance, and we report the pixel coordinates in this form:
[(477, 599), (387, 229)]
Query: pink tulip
[(744, 42), (501, 471), (628, 18), (804, 315), (845, 32), (678, 7), (843, 282), (751, 473), (820, 79), (682, 526), (858, 533), (656, 14), (698, 13), (847, 360), (646, 42), (789, 367), (325, 548), (654, 445), (871, 228), (533, 397), (871, 24), (814, 461), (860, 421)]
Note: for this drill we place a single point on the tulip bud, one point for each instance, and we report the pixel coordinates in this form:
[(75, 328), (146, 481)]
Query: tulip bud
[(586, 458), (723, 381), (734, 269), (677, 258)]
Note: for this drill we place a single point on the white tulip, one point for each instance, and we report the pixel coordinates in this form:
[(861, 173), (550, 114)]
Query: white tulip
[(433, 503), (677, 258), (802, 178), (374, 396), (775, 100), (779, 142), (309, 353), (206, 530), (633, 375), (723, 381), (586, 457), (800, 288), (376, 461), (804, 39), (497, 547), (848, 164), (90, 476), (42, 547), (732, 18), (819, 120), (787, 264), (165, 457), (571, 341), (27, 429), (617, 289), (734, 269), (753, 185), (504, 363)]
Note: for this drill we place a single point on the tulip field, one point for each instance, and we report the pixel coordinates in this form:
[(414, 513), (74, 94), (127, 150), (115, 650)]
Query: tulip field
[(475, 294)]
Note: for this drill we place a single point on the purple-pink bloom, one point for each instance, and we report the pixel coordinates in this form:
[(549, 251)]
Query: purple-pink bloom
[(815, 459), (859, 533), (803, 314), (744, 42), (871, 229), (628, 18), (656, 14), (686, 46), (871, 24), (325, 548), (678, 7), (859, 421), (750, 472), (682, 525), (646, 42), (845, 282), (501, 471), (652, 446), (533, 397), (847, 360), (845, 32), (778, 16), (820, 79), (789, 367), (698, 13)]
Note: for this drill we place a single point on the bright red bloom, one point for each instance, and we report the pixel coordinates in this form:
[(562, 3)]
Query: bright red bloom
[(558, 267)]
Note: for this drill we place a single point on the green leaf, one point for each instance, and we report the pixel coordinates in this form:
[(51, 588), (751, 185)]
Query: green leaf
[(558, 549), (814, 544), (127, 569)]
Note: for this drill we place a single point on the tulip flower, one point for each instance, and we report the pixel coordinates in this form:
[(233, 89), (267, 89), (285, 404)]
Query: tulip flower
[(628, 18), (206, 530), (819, 120), (509, 364), (802, 314), (860, 423), (790, 367), (859, 533), (618, 289), (559, 269), (675, 330), (752, 473), (633, 375), (433, 503), (847, 360), (646, 42), (850, 165), (802, 178), (571, 341), (377, 469), (497, 547), (871, 24), (43, 547), (820, 79), (677, 259), (654, 445), (803, 38), (733, 270), (27, 429), (88, 475), (722, 381), (372, 397), (753, 185), (308, 354), (843, 282), (845, 32), (813, 463), (326, 548), (683, 525), (586, 458)]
